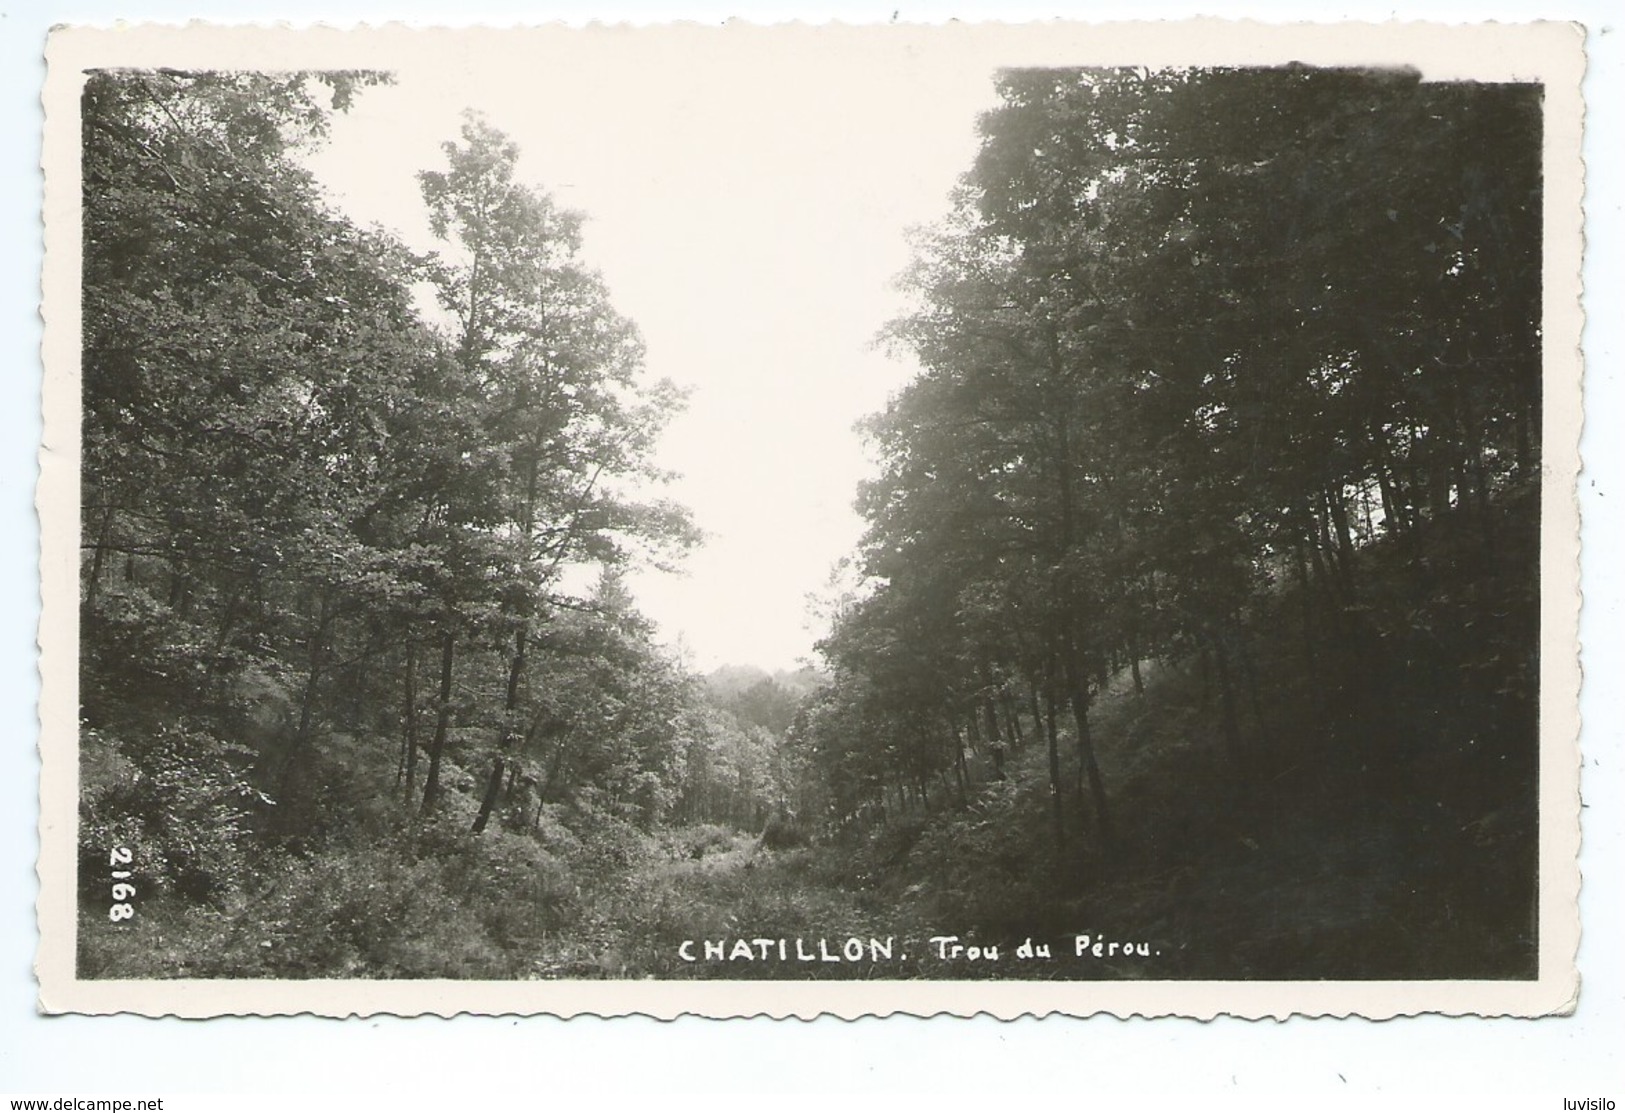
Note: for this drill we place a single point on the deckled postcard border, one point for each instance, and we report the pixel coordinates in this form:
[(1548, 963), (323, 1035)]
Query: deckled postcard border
[(1549, 52)]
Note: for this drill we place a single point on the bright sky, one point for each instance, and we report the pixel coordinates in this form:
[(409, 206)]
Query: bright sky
[(747, 205)]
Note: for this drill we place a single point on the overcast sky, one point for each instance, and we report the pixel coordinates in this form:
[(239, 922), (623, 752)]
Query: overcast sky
[(747, 205)]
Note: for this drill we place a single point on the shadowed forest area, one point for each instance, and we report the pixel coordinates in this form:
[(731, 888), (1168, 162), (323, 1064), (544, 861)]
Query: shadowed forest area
[(1197, 611)]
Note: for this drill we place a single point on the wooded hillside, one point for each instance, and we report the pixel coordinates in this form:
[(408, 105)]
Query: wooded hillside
[(1199, 598), (1237, 373), (334, 683)]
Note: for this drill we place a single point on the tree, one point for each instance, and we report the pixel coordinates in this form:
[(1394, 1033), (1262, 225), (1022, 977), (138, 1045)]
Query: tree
[(1183, 331), (568, 423), (244, 354)]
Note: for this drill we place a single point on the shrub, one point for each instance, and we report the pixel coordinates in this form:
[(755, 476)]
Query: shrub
[(176, 798)]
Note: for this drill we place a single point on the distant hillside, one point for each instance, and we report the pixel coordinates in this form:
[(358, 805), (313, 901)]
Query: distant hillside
[(756, 696)]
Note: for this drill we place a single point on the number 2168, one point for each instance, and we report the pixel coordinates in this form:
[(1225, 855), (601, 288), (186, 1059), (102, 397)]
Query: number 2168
[(121, 908)]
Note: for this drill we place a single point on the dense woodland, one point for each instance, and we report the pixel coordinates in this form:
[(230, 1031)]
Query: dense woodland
[(1198, 603)]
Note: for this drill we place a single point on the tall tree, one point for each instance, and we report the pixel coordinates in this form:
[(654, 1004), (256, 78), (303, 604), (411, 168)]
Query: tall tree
[(569, 422), (1182, 331)]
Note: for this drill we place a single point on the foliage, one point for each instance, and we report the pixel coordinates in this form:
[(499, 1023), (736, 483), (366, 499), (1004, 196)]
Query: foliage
[(180, 797), (1200, 582), (1185, 335), (327, 544)]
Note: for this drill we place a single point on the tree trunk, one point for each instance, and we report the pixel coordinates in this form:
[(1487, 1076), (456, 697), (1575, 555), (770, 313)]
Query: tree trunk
[(1012, 724), (409, 740), (1523, 420), (1306, 606), (1337, 513), (317, 662), (493, 789), (1051, 737), (97, 561), (437, 745), (1396, 519), (555, 769), (317, 654), (1438, 477), (307, 701), (1393, 518), (1088, 766), (493, 786), (1315, 537)]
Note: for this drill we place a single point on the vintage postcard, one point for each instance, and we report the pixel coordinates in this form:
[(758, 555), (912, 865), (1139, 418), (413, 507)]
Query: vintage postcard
[(739, 520)]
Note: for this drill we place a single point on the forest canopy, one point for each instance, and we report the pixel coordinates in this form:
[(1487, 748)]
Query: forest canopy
[(1201, 559), (325, 610)]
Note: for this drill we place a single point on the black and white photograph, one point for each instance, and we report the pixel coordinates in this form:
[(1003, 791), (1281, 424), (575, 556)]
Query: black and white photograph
[(844, 519)]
